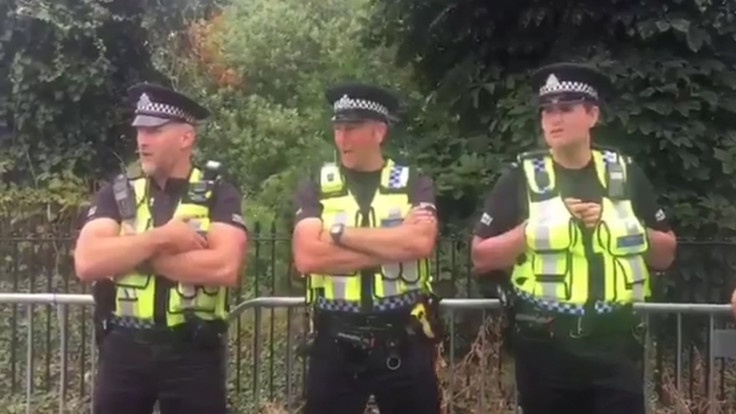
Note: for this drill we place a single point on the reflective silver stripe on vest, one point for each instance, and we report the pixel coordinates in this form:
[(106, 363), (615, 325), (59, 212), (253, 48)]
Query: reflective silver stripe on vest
[(543, 242), (339, 283), (128, 301), (635, 262), (187, 292)]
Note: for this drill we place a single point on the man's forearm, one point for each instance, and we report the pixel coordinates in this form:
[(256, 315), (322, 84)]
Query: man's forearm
[(198, 267), (321, 256), (499, 252), (394, 244), (662, 247), (110, 256)]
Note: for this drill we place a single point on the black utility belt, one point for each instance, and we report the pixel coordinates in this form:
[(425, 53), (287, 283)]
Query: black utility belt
[(190, 331), (557, 325)]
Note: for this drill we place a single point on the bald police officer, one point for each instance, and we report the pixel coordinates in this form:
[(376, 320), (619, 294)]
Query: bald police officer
[(579, 226), (170, 241), (365, 229)]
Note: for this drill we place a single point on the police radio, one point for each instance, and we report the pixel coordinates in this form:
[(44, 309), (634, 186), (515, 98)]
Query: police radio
[(210, 174), (616, 181), (124, 197)]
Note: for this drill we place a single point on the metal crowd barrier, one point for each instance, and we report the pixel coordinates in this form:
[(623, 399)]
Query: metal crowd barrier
[(722, 341)]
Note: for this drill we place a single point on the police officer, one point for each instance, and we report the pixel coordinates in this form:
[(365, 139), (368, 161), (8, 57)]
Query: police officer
[(365, 229), (171, 241), (579, 226)]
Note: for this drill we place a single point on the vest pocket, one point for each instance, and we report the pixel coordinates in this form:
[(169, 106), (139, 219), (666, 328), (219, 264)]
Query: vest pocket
[(633, 271), (188, 298), (552, 271)]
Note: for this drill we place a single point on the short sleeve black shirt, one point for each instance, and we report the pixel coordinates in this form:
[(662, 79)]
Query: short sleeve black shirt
[(225, 207)]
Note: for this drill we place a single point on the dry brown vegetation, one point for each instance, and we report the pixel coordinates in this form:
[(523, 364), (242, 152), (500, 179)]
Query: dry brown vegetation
[(482, 382)]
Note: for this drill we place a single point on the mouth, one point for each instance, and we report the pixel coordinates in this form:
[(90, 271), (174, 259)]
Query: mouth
[(556, 131)]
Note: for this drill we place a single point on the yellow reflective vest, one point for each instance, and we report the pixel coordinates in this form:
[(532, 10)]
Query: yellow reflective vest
[(135, 292), (556, 272), (395, 285)]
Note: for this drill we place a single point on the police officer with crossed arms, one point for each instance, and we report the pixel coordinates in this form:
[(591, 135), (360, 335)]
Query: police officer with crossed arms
[(167, 244), (365, 229), (579, 227)]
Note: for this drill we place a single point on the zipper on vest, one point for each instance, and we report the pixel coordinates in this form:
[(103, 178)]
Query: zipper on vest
[(367, 276)]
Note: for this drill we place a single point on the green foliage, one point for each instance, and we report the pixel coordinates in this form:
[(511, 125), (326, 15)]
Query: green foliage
[(64, 68), (672, 62), (262, 67)]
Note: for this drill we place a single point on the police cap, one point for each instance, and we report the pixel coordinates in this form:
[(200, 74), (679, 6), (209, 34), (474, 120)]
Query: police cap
[(359, 102), (569, 83), (157, 105)]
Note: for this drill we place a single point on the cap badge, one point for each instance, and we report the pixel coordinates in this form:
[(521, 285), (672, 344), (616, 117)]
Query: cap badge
[(343, 103), (144, 101), (552, 81)]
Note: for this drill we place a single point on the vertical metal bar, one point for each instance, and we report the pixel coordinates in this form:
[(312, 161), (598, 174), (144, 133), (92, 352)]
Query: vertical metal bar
[(273, 315), (256, 355), (93, 370), (61, 314), (483, 361), (14, 324), (49, 288), (450, 406), (29, 358), (256, 317), (711, 390), (678, 360), (647, 363), (289, 355)]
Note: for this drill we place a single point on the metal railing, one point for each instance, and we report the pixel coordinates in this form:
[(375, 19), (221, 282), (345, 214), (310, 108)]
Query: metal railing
[(480, 371)]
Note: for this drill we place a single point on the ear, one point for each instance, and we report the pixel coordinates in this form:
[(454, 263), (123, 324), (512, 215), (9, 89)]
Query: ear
[(594, 113), (379, 132), (188, 136)]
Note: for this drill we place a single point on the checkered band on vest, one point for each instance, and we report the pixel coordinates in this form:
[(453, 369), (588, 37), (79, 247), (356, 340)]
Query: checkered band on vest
[(146, 107), (346, 103), (379, 304), (396, 178), (567, 86), (599, 307)]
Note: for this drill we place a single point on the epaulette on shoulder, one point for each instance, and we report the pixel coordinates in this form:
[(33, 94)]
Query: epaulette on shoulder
[(627, 158), (538, 153)]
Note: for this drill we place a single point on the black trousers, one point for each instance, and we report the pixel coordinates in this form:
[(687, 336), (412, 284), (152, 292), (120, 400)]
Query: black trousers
[(333, 387), (133, 374), (597, 377)]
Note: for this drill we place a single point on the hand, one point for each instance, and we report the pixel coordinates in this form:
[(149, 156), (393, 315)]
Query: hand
[(419, 215), (733, 303), (588, 213), (179, 236)]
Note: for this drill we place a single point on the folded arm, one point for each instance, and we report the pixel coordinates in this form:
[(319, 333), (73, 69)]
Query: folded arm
[(662, 247), (101, 252), (498, 252), (409, 241), (218, 264), (314, 251)]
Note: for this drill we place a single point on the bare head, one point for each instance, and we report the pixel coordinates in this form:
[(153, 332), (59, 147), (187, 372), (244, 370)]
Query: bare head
[(165, 129), (361, 117)]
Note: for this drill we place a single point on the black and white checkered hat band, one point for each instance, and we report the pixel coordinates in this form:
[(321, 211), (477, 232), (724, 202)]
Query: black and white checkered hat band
[(345, 103), (163, 111), (567, 86)]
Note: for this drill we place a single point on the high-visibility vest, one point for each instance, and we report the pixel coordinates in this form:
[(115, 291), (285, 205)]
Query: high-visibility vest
[(135, 292), (556, 271), (395, 285)]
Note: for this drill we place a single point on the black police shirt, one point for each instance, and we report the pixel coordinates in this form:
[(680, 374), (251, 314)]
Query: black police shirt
[(225, 208), (503, 209)]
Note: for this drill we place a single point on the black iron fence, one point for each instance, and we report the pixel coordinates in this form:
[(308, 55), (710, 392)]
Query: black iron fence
[(263, 362)]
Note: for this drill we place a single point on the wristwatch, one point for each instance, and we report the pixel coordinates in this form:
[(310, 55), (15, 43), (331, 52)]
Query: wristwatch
[(336, 232)]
